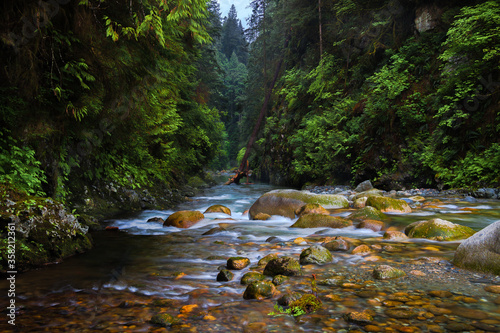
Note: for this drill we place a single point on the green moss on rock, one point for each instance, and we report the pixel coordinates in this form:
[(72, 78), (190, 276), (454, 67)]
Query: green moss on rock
[(438, 229)]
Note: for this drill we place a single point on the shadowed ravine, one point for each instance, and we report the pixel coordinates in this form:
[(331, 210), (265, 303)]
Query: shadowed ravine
[(145, 269)]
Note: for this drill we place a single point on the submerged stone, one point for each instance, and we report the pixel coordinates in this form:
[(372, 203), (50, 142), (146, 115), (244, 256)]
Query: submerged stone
[(163, 319), (337, 244), (386, 272)]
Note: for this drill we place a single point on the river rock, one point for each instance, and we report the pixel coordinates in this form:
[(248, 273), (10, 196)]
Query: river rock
[(163, 319), (438, 229), (321, 221), (283, 266), (367, 213), (311, 209), (279, 279), (225, 275), (395, 235), (364, 186), (360, 318), (388, 205), (259, 290), (250, 277), (481, 251), (183, 219), (315, 254), (156, 220), (286, 202), (386, 272), (263, 261), (362, 250), (366, 194), (218, 209), (371, 224), (237, 263), (337, 244)]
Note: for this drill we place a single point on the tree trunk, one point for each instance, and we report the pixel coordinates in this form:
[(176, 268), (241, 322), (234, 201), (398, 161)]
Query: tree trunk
[(241, 170)]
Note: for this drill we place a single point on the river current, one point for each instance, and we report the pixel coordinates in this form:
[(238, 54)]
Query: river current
[(144, 269)]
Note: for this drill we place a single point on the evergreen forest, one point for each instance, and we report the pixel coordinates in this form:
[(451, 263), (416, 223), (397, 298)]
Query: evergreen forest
[(140, 93)]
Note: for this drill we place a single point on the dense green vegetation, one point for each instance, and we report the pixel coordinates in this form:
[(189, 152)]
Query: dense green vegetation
[(383, 101), (96, 91), (142, 93)]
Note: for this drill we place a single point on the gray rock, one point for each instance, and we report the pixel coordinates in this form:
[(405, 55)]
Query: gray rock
[(481, 251), (315, 254), (364, 186)]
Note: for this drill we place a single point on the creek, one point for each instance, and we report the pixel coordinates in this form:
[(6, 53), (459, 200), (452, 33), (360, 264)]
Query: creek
[(145, 268)]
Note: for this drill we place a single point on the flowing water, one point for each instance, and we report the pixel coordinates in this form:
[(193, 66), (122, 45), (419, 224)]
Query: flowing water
[(145, 268)]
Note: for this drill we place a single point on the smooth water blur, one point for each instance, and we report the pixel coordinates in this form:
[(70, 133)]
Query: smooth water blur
[(145, 260)]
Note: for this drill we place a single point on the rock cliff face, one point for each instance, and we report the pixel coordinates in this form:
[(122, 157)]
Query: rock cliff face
[(427, 17)]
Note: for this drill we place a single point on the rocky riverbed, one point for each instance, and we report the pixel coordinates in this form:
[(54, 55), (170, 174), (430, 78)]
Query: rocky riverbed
[(147, 277)]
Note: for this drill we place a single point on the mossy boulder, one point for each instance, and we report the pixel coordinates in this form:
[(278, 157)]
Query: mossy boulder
[(43, 229), (388, 205), (321, 221), (279, 279), (286, 202), (250, 277), (367, 213), (481, 251), (438, 229), (183, 219), (259, 290), (237, 263), (386, 272), (311, 208), (368, 193), (283, 266), (263, 261), (225, 275), (315, 254), (218, 209)]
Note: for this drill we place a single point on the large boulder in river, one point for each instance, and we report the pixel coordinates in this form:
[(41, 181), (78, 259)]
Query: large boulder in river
[(286, 202), (481, 251), (183, 219), (321, 221), (438, 229), (388, 205)]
